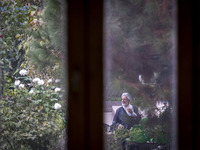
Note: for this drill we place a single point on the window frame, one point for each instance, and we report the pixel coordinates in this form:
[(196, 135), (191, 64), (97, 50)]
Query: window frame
[(85, 74)]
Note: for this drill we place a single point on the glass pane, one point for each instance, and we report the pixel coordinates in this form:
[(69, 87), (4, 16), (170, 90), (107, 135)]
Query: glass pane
[(32, 99), (140, 74)]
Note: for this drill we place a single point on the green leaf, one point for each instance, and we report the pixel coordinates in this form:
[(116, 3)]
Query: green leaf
[(37, 101), (53, 99), (46, 109), (18, 124)]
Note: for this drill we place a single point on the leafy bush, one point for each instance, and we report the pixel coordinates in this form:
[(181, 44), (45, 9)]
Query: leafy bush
[(115, 140), (152, 132), (32, 115), (137, 134)]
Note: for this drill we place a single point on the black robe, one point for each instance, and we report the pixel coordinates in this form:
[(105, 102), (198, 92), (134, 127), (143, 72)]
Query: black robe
[(121, 117)]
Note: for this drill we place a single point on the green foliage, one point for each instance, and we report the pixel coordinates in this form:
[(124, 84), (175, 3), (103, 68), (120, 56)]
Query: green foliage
[(117, 86), (158, 127), (137, 135), (14, 23), (32, 116), (46, 45), (153, 130), (114, 140)]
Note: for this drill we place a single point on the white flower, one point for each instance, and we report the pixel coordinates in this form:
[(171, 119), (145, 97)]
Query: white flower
[(25, 22), (41, 21), (57, 106), (21, 85), (23, 72), (32, 13), (49, 81), (31, 91), (35, 20), (36, 79), (141, 80), (160, 147), (57, 89), (57, 80), (40, 82), (17, 82)]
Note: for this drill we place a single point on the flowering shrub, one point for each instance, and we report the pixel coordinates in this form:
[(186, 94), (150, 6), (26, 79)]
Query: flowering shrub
[(23, 72), (32, 116)]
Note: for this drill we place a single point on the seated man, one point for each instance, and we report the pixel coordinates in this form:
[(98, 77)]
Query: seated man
[(127, 115)]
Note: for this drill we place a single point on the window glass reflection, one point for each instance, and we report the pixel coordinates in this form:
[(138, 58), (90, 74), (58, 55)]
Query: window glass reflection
[(140, 52)]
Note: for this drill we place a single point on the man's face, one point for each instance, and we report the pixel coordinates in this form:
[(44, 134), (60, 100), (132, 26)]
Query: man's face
[(125, 101)]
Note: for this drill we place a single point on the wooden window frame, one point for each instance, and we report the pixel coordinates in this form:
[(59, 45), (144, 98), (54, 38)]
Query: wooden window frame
[(85, 75)]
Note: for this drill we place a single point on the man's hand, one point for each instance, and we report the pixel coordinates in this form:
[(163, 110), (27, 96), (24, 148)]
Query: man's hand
[(120, 126), (129, 110)]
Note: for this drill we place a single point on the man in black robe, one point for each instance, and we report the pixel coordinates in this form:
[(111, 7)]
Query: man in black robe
[(127, 115)]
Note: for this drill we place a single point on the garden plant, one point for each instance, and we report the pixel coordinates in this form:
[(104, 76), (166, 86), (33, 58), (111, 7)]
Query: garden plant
[(32, 114), (32, 100)]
